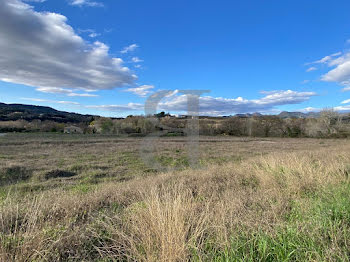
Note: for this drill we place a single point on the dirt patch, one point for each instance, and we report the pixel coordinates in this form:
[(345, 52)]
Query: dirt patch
[(59, 173), (14, 174)]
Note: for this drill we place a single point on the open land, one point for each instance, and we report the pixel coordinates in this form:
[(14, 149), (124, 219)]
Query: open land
[(95, 198)]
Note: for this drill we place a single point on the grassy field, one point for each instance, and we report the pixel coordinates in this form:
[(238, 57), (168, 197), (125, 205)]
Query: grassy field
[(93, 198)]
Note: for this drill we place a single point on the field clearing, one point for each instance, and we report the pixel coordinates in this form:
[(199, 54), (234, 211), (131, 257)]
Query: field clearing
[(92, 197)]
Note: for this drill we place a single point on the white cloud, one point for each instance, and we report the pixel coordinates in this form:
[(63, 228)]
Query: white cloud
[(66, 102), (309, 109), (129, 48), (36, 1), (142, 91), (68, 92), (311, 69), (340, 74), (118, 108), (136, 60), (346, 101), (50, 101), (326, 59), (345, 89), (86, 3), (225, 106), (93, 35), (340, 69), (54, 90), (40, 49), (83, 95), (342, 108), (305, 82), (264, 92)]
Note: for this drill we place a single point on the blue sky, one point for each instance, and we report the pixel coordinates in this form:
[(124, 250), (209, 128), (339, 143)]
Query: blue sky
[(107, 57)]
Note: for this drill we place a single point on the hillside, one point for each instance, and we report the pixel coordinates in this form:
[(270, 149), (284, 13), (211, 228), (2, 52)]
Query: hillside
[(13, 112), (286, 114)]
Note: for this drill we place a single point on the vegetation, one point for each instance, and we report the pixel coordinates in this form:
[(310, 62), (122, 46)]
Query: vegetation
[(92, 198), (24, 118)]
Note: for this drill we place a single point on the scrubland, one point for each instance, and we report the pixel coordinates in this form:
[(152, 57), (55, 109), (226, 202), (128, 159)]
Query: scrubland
[(92, 198)]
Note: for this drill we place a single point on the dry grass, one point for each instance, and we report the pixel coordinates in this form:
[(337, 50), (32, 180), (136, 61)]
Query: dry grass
[(163, 227), (275, 206)]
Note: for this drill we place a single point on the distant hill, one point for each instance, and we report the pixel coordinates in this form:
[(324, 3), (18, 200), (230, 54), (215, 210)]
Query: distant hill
[(283, 114), (286, 114), (13, 112)]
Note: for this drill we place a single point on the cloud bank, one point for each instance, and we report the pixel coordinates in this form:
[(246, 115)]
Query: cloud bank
[(216, 106)]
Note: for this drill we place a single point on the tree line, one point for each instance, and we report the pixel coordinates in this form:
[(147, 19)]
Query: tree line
[(328, 124)]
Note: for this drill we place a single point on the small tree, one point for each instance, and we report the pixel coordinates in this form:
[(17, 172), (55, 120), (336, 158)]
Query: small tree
[(328, 119)]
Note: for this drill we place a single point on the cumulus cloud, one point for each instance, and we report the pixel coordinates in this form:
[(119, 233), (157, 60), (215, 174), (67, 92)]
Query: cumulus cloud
[(208, 105), (129, 48), (40, 49), (86, 3), (142, 91)]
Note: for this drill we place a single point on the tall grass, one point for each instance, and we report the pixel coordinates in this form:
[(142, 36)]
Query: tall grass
[(279, 207), (165, 226)]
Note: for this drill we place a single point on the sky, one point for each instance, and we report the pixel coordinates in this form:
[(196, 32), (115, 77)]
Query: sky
[(109, 57)]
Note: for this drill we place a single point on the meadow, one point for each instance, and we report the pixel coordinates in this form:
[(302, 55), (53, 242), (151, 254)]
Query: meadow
[(94, 198)]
